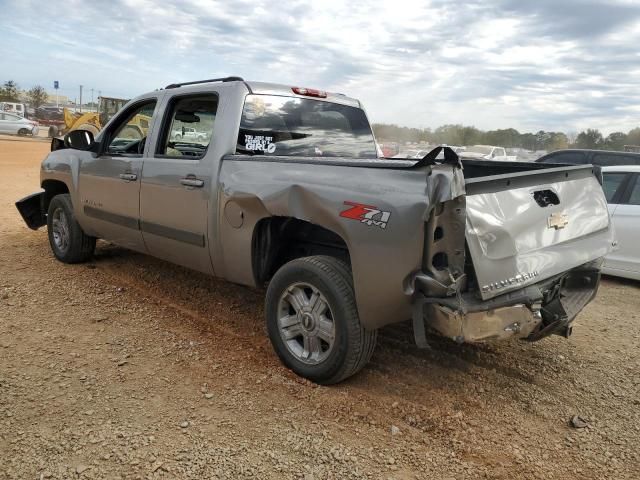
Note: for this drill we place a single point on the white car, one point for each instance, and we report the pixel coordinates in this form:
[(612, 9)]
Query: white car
[(621, 186), (15, 124), (487, 152)]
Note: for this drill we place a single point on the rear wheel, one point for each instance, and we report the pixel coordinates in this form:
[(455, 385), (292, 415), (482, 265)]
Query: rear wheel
[(313, 322), (68, 242)]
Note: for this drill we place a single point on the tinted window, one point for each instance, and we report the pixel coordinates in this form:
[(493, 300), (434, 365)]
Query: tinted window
[(611, 183), (189, 128), (275, 125), (613, 159), (634, 199), (132, 129), (565, 157)]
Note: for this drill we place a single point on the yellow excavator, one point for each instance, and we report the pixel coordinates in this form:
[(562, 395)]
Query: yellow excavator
[(94, 121)]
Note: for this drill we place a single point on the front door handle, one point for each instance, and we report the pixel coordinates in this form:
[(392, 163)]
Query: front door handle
[(192, 182), (129, 177)]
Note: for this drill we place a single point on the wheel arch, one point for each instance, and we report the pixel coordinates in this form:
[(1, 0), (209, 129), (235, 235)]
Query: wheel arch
[(277, 240), (51, 189)]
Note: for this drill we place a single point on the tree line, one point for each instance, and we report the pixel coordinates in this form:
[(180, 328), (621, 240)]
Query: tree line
[(509, 137), (10, 92)]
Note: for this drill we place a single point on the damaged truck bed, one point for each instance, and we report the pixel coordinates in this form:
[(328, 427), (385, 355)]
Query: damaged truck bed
[(286, 190)]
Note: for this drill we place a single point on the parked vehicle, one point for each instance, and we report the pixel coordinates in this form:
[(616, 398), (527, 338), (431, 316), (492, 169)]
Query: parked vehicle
[(415, 154), (288, 191), (188, 133), (594, 157), (17, 125), (621, 186), (487, 152), (19, 109)]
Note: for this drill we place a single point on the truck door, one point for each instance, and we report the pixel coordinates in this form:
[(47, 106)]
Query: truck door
[(109, 184), (176, 183)]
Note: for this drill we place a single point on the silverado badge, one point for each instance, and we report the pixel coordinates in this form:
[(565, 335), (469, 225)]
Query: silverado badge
[(557, 220)]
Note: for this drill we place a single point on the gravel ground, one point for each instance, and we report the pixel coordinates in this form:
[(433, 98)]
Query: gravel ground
[(129, 367)]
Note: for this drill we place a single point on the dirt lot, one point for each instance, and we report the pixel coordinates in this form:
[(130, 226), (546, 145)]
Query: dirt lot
[(129, 367)]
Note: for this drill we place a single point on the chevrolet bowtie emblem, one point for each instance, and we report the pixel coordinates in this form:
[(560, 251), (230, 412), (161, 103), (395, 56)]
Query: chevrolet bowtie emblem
[(557, 220)]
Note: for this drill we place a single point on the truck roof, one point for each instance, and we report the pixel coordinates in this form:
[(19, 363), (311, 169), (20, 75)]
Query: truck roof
[(267, 88)]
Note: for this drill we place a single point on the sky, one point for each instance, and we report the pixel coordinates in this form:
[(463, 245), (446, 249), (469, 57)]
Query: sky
[(562, 65)]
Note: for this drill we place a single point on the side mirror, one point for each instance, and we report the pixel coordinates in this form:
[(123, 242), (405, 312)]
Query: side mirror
[(79, 140)]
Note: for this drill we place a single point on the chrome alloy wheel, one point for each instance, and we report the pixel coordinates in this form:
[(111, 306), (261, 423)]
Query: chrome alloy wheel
[(61, 234), (306, 323)]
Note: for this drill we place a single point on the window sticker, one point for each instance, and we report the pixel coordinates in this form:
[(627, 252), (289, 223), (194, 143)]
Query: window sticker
[(260, 143)]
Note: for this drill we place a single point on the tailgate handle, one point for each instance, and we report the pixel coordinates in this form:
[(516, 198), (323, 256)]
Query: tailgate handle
[(191, 181), (129, 177), (544, 198)]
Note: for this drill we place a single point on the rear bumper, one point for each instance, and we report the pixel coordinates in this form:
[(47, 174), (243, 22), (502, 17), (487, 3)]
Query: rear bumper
[(31, 209), (532, 313)]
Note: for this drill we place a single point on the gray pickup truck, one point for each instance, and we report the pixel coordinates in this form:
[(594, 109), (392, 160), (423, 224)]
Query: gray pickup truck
[(288, 190)]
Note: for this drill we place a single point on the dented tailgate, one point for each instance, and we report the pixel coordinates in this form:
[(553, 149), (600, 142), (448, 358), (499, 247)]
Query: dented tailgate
[(528, 226)]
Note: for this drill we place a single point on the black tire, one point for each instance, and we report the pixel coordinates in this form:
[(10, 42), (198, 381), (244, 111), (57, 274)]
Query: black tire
[(78, 246), (23, 132), (353, 344)]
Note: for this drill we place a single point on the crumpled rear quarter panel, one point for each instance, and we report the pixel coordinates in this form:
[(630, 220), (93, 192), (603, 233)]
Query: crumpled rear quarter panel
[(381, 258)]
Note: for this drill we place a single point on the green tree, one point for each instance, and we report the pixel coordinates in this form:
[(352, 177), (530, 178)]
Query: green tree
[(615, 141), (633, 137), (10, 92), (591, 138), (37, 96)]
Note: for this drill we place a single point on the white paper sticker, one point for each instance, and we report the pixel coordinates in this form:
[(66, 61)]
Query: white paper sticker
[(260, 143)]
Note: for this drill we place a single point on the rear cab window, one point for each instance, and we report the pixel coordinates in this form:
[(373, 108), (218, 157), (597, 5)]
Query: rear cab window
[(275, 125)]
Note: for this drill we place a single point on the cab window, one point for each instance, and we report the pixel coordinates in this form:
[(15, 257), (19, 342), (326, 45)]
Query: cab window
[(290, 126), (188, 126), (634, 198), (130, 134), (611, 183)]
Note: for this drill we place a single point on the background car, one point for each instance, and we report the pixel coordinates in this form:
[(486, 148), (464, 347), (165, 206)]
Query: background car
[(411, 154), (594, 157), (15, 124), (621, 186)]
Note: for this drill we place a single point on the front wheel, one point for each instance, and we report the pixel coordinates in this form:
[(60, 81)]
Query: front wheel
[(313, 321), (68, 242)]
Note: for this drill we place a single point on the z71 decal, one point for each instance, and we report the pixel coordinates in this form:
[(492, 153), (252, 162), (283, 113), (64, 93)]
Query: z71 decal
[(367, 214)]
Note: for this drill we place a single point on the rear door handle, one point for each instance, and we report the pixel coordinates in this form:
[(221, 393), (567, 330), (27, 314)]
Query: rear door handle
[(128, 176), (192, 182)]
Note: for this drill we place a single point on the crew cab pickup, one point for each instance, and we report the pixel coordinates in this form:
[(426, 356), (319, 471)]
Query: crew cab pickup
[(287, 192)]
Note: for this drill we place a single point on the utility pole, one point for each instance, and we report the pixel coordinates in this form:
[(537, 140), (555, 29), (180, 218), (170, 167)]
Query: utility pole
[(80, 98), (92, 99)]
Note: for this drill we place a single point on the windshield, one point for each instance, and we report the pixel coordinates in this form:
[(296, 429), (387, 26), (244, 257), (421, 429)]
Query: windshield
[(277, 125), (479, 149)]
